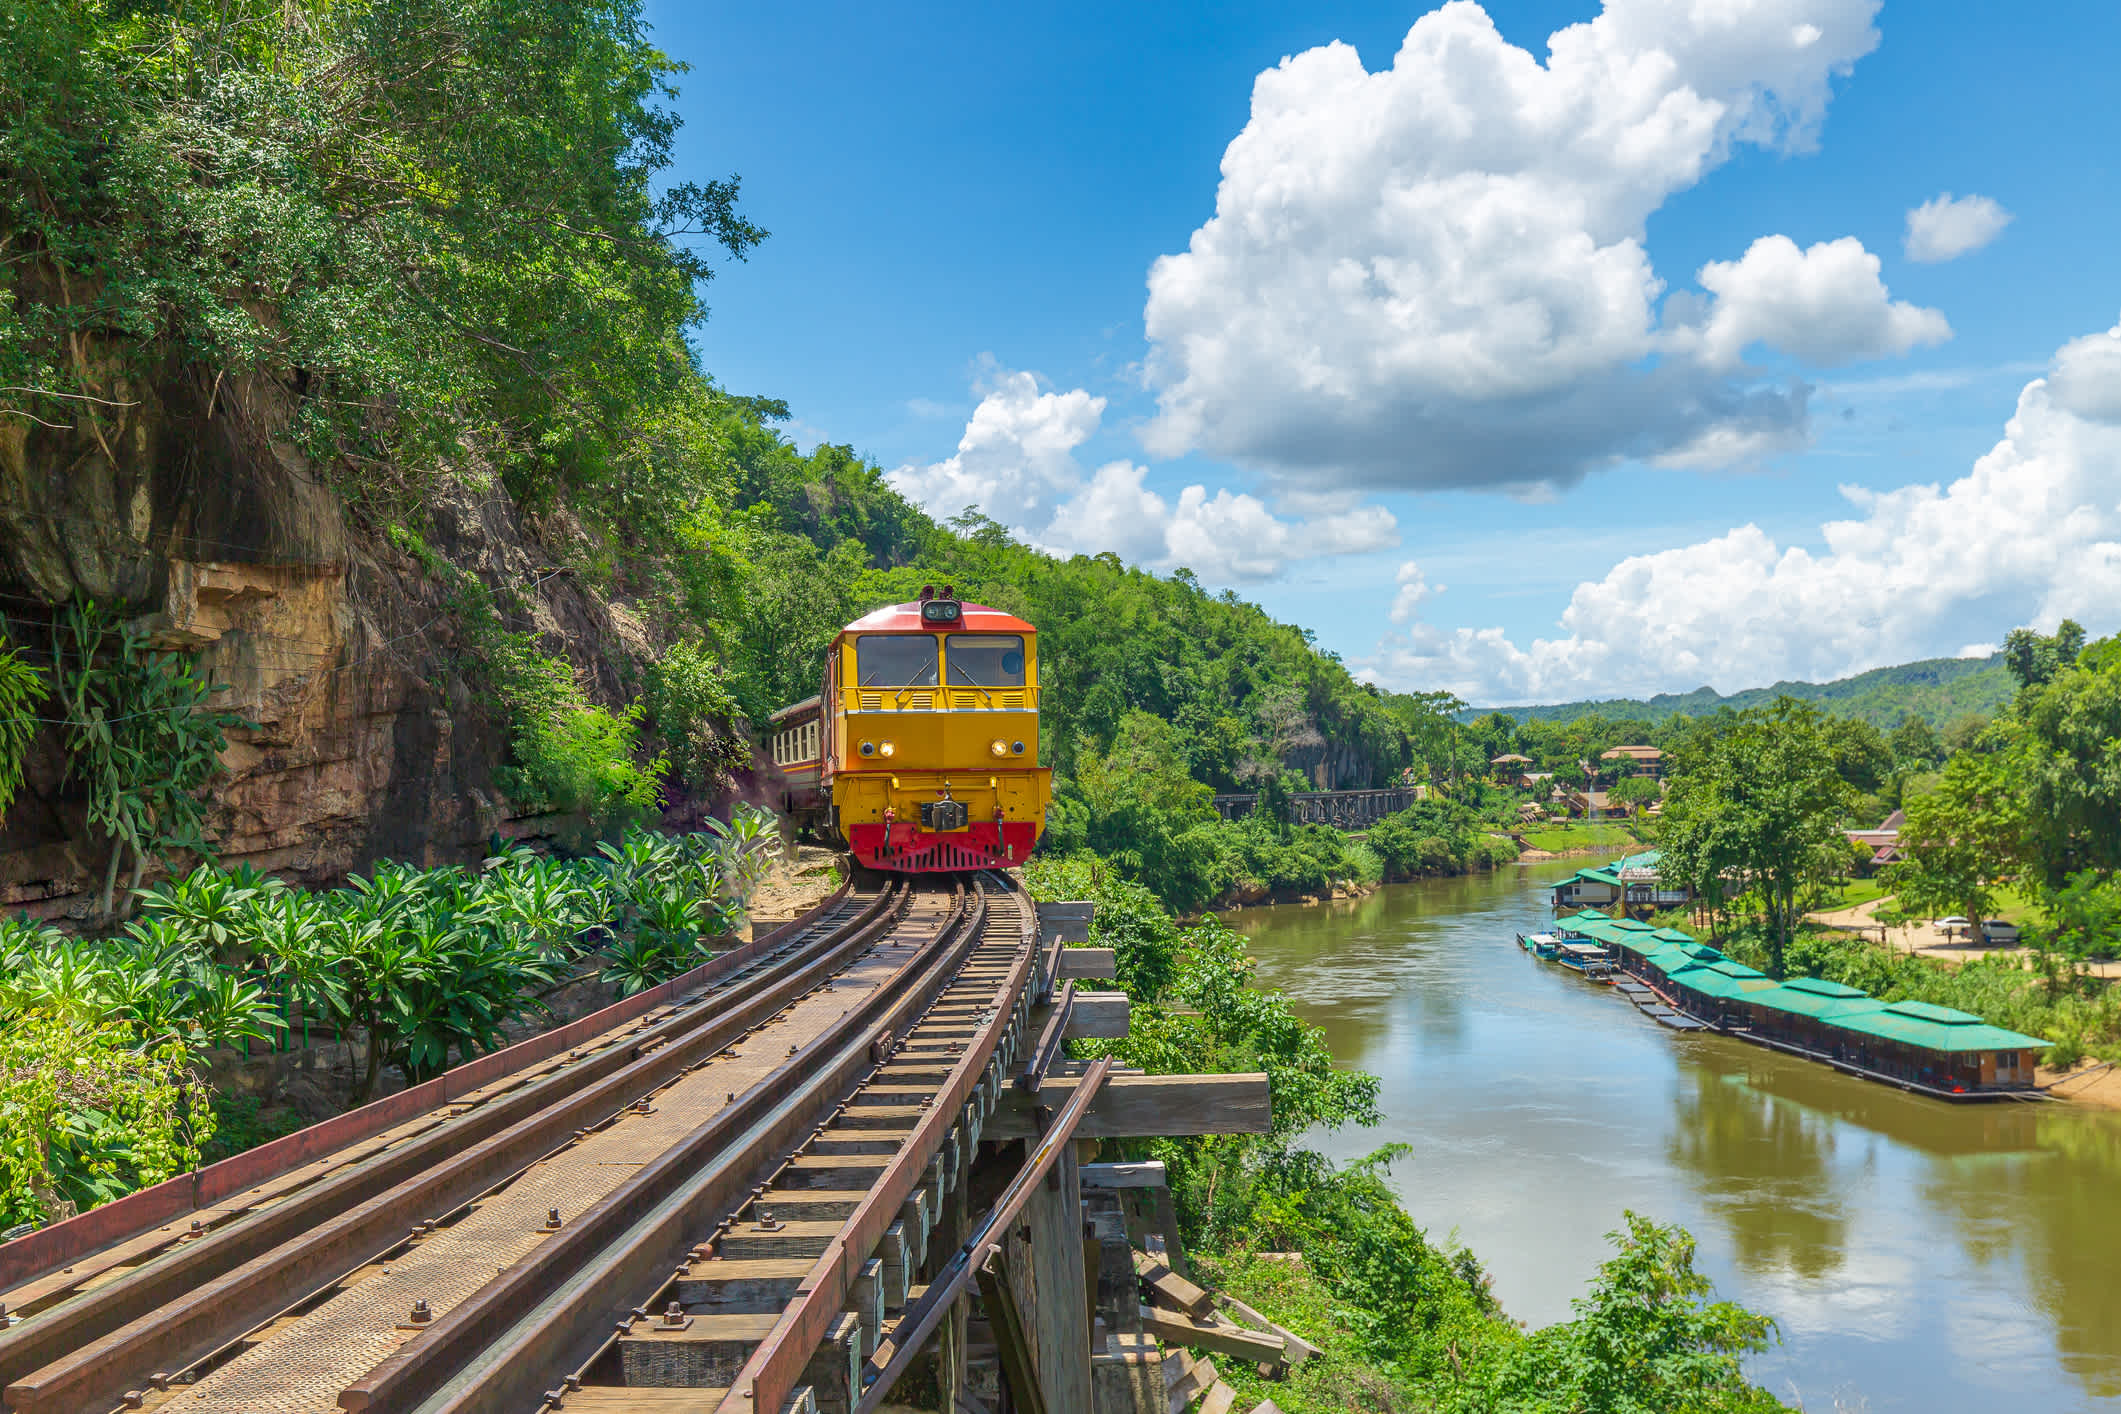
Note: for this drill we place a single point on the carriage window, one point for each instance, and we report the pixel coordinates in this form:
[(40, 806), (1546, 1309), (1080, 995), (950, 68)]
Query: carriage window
[(894, 660), (986, 660)]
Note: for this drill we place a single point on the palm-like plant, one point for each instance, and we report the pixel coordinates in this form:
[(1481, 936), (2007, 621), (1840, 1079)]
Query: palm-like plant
[(211, 906)]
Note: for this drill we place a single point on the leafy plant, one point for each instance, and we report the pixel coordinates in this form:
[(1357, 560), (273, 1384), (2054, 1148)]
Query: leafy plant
[(88, 1114), (22, 687), (141, 737)]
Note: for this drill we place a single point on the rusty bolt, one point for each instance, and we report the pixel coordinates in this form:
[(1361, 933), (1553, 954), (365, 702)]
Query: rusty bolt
[(160, 1379), (675, 1316), (422, 1313), (732, 1098), (766, 1222), (132, 1399), (642, 1106), (552, 1219), (791, 1048)]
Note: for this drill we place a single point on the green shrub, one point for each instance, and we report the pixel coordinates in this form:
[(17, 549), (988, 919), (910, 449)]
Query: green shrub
[(690, 707)]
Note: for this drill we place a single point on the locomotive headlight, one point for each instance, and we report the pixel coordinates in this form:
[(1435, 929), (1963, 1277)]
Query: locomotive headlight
[(884, 749), (998, 747), (868, 748)]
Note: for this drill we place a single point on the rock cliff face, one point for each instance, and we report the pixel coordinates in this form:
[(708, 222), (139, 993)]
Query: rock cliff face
[(190, 506)]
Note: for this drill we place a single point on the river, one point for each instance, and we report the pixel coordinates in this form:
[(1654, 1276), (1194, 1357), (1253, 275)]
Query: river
[(1917, 1255)]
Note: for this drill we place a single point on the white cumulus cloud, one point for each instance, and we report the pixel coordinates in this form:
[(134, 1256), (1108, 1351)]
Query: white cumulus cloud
[(1435, 274), (1414, 591), (1017, 462), (1947, 227), (2031, 534), (1825, 305)]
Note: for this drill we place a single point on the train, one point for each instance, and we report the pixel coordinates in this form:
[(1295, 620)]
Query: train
[(919, 753)]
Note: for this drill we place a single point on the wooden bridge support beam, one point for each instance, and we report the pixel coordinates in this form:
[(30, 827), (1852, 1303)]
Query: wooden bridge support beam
[(1063, 1337)]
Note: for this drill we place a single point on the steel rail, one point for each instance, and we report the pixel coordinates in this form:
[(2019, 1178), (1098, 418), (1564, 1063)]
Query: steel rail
[(1048, 1048), (489, 1357), (108, 1230), (771, 1373), (924, 1315), (178, 1309)]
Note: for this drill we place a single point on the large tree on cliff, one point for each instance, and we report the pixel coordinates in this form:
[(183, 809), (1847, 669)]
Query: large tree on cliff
[(1754, 807)]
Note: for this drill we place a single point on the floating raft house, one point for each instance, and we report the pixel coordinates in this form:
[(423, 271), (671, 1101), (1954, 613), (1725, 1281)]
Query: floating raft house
[(1940, 1051)]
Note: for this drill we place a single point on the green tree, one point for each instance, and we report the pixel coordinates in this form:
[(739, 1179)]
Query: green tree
[(2069, 738), (1962, 838), (1647, 1340), (1635, 792), (1754, 807), (2035, 658), (2081, 920), (1915, 744), (1142, 811)]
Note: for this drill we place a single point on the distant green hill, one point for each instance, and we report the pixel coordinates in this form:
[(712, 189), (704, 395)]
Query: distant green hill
[(1937, 688)]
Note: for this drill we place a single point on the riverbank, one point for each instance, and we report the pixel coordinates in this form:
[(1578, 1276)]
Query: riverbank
[(2093, 1083), (1407, 1321), (1872, 1223)]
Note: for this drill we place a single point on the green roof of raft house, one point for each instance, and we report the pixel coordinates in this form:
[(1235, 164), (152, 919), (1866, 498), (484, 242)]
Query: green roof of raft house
[(1915, 1044)]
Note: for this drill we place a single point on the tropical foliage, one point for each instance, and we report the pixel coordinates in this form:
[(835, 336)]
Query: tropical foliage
[(1415, 1325), (415, 966)]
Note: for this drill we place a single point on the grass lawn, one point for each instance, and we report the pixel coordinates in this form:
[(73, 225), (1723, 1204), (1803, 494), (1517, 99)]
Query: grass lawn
[(1849, 894), (1603, 834)]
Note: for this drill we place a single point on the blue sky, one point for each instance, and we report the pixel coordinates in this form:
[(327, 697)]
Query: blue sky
[(961, 197)]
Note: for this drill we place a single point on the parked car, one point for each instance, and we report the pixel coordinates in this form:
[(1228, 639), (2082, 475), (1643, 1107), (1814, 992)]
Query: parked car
[(1998, 930), (1953, 924)]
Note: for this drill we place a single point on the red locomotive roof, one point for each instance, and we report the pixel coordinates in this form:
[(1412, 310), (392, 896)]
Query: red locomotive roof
[(978, 618)]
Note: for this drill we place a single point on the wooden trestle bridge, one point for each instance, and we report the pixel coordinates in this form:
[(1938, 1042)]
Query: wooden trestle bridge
[(1348, 809), (848, 1151)]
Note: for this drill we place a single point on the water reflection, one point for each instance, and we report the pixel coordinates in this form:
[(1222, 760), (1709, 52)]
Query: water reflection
[(1765, 1168), (1919, 1255)]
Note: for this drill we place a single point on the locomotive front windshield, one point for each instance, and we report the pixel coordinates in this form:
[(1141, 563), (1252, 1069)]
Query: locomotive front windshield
[(986, 660), (895, 660)]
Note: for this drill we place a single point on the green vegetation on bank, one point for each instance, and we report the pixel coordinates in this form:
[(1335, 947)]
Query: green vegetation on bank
[(1406, 1323)]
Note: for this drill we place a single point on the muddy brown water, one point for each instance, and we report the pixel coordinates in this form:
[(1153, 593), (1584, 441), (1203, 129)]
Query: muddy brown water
[(1917, 1255)]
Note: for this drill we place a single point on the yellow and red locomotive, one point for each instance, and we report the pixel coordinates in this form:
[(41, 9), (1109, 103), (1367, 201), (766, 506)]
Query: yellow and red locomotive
[(920, 752)]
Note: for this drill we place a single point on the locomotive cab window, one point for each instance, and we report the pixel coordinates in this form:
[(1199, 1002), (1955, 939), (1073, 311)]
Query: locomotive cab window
[(986, 660), (895, 660)]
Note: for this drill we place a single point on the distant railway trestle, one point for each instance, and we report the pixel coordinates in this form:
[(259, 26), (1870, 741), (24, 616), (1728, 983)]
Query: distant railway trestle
[(1347, 809), (780, 1190)]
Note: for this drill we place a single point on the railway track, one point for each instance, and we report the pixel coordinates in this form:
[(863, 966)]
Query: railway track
[(724, 1200)]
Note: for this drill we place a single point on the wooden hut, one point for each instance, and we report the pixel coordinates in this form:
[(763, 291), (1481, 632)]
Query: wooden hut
[(1941, 1049)]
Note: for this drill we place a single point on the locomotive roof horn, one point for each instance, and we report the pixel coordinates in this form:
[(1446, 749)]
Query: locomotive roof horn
[(927, 592)]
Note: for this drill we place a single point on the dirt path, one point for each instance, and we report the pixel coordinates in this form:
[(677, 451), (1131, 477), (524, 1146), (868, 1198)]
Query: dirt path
[(793, 886), (1927, 939)]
